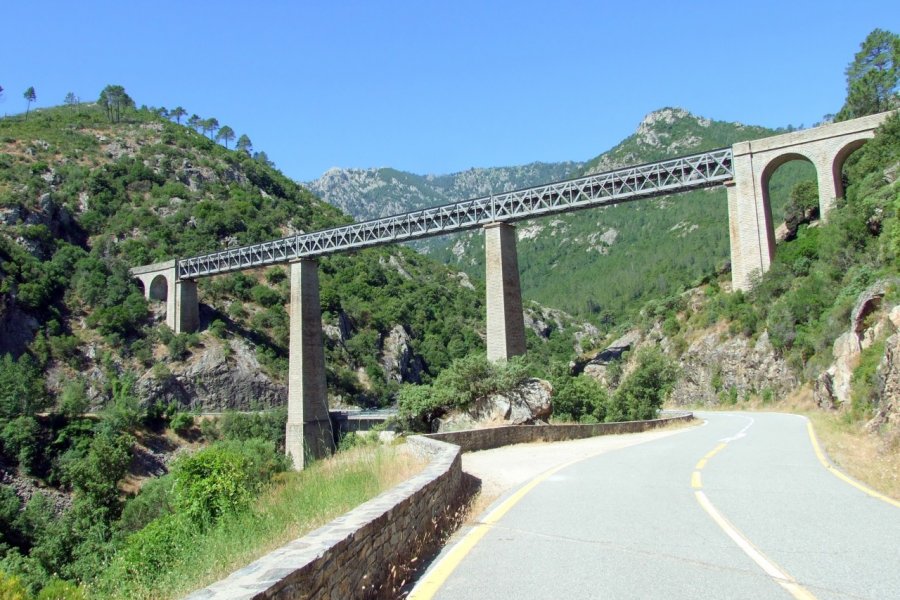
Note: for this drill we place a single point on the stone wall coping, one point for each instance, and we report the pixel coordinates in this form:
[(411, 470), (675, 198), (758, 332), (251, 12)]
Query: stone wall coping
[(474, 440)]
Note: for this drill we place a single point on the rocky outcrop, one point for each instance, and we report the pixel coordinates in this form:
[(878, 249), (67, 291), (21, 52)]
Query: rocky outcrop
[(599, 366), (215, 379), (868, 323), (543, 321), (526, 405), (17, 328), (712, 366), (887, 413), (398, 360)]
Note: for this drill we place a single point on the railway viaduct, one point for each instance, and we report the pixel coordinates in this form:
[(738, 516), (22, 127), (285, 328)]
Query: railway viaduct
[(744, 169)]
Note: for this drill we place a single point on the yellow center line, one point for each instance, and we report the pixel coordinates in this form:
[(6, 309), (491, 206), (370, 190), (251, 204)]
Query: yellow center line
[(765, 563), (762, 561), (714, 451), (839, 474), (695, 480)]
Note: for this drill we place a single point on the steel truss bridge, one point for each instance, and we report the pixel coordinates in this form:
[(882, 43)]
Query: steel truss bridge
[(604, 189)]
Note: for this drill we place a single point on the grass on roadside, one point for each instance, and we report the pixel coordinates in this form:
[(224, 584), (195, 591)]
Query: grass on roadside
[(296, 504), (864, 456)]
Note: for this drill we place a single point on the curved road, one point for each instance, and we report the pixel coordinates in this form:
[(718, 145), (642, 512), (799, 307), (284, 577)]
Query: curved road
[(741, 507)]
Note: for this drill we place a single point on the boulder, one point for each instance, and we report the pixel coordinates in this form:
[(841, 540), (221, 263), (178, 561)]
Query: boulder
[(526, 405)]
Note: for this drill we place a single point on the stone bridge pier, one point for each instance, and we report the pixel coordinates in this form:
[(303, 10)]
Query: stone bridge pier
[(161, 283), (505, 322), (751, 230)]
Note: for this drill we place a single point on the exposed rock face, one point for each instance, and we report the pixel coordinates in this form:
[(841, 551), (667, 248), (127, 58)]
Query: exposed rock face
[(598, 367), (712, 365), (543, 321), (524, 406), (16, 327), (868, 323), (398, 360), (213, 382), (887, 415)]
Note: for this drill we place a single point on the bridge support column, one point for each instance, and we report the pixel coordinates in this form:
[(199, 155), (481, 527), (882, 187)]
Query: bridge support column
[(505, 323), (749, 221), (182, 305), (309, 435)]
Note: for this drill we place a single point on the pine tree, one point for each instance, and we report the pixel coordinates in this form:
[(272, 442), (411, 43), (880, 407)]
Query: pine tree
[(30, 96), (873, 76), (244, 144), (226, 134), (177, 112)]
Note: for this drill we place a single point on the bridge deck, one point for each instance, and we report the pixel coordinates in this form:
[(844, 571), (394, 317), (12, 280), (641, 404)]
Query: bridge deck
[(622, 185)]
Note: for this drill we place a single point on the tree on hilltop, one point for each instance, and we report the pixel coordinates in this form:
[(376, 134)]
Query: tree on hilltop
[(194, 122), (210, 126), (225, 134), (71, 99), (30, 96), (1, 91), (114, 100), (873, 76), (244, 144), (177, 112)]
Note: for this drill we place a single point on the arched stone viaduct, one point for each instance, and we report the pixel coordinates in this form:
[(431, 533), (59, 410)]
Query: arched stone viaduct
[(751, 229), (744, 169)]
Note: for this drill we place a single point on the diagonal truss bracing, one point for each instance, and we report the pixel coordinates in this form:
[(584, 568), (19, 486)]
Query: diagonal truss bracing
[(604, 189)]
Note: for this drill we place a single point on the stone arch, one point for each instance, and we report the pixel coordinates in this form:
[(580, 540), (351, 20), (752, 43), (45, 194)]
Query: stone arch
[(837, 163), (158, 289), (772, 165)]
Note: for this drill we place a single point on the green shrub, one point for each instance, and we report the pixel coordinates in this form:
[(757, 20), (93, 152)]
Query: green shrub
[(464, 381), (581, 399), (645, 389), (12, 588), (181, 422), (223, 478), (58, 589)]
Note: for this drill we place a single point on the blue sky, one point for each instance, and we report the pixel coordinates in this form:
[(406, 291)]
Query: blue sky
[(439, 87)]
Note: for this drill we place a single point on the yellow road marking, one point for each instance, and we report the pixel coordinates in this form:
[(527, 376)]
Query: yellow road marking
[(695, 480), (701, 464), (431, 583), (714, 451), (766, 564), (839, 474)]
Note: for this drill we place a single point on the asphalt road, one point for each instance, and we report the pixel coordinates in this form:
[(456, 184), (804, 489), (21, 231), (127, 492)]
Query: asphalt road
[(741, 507)]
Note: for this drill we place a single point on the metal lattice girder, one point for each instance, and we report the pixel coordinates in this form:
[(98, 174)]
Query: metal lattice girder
[(622, 185)]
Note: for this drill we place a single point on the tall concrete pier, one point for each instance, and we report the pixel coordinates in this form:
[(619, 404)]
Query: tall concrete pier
[(161, 283), (309, 435), (505, 324)]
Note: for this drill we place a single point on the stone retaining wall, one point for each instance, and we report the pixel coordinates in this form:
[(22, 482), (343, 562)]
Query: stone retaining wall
[(362, 554), (367, 552), (472, 440)]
